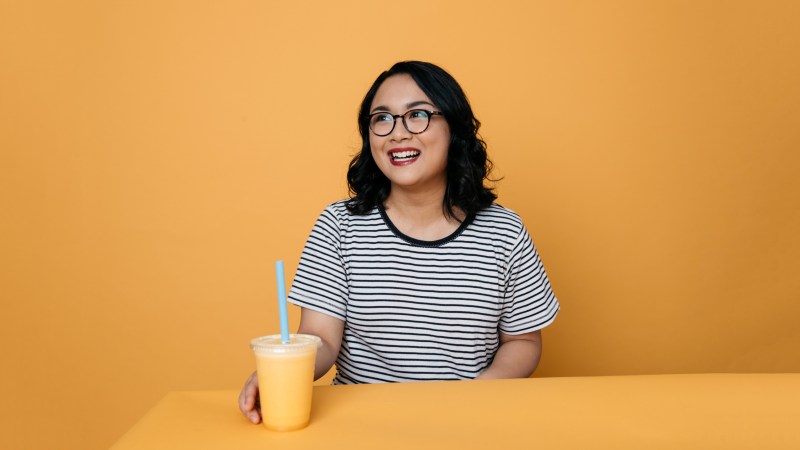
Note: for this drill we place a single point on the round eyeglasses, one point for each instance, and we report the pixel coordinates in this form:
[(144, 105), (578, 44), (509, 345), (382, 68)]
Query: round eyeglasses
[(416, 121)]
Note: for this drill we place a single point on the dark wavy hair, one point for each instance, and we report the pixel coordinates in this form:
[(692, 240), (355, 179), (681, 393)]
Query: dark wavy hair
[(467, 162)]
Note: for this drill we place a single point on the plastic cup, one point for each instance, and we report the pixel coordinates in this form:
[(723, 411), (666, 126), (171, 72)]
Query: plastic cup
[(285, 379)]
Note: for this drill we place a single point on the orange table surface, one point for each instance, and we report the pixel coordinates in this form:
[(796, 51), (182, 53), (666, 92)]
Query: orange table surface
[(708, 411)]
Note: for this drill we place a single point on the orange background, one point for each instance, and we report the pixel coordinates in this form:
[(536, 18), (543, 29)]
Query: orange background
[(157, 159)]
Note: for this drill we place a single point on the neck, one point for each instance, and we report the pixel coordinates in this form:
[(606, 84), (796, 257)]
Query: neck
[(420, 215), (422, 206)]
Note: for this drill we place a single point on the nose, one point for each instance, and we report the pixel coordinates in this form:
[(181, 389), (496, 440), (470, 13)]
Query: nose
[(400, 131)]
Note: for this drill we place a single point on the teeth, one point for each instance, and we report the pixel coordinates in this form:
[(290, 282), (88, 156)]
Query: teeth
[(405, 155)]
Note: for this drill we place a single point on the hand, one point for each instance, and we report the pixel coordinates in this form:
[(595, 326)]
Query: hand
[(248, 399)]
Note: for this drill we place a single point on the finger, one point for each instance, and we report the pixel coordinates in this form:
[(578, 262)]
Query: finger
[(250, 391), (243, 402), (246, 398), (242, 397), (255, 412)]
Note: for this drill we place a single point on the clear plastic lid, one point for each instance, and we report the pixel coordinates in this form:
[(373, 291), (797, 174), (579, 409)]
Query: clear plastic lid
[(298, 343)]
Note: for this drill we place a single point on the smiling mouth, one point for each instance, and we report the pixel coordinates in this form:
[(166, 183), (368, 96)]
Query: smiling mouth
[(406, 155)]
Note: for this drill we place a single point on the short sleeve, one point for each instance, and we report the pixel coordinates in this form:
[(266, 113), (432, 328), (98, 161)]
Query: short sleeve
[(529, 302), (320, 283)]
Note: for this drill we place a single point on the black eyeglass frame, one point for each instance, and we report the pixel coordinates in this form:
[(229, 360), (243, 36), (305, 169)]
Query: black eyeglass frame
[(402, 117)]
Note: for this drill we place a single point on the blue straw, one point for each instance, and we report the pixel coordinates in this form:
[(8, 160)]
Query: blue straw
[(282, 302)]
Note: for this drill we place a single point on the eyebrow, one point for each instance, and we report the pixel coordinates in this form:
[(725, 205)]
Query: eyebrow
[(411, 105)]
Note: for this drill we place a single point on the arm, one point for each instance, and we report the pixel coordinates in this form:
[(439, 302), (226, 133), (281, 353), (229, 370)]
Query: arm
[(328, 328), (517, 356)]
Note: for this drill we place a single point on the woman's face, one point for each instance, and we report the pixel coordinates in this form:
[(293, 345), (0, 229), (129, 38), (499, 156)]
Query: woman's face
[(416, 162)]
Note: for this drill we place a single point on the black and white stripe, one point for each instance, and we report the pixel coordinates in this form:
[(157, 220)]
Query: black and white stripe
[(418, 310)]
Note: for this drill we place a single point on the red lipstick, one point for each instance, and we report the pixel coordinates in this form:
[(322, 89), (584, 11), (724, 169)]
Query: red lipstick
[(403, 156)]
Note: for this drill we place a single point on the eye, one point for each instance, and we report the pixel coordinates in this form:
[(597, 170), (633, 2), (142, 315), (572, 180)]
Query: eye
[(418, 114), (382, 117)]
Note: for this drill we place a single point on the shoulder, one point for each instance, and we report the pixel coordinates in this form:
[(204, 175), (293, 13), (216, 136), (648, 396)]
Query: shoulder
[(338, 215), (332, 219), (337, 209), (498, 216)]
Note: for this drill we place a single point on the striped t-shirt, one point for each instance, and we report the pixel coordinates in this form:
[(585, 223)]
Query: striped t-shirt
[(422, 310)]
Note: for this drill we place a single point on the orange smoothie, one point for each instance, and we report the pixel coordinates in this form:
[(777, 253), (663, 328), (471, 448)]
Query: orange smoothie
[(285, 380)]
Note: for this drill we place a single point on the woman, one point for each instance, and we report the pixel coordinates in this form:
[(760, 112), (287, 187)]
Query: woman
[(419, 275)]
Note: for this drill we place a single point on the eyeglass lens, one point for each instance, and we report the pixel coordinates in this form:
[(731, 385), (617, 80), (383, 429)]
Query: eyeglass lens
[(416, 121)]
